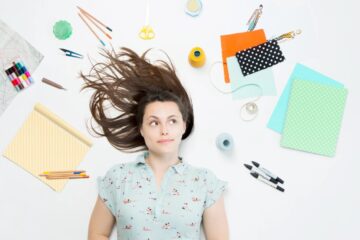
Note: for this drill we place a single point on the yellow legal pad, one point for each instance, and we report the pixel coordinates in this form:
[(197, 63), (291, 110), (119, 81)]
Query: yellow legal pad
[(47, 143)]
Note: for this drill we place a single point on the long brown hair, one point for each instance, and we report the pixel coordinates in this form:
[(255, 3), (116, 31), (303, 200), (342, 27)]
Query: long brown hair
[(125, 83)]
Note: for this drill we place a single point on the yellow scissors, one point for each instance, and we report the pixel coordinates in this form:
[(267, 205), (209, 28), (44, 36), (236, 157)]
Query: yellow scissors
[(147, 31)]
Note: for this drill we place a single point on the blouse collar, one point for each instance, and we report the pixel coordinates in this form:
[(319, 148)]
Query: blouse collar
[(179, 167)]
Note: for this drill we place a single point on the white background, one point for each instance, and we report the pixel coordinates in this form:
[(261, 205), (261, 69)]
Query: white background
[(322, 194)]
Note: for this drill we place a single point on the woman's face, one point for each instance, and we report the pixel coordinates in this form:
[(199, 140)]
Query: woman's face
[(162, 127)]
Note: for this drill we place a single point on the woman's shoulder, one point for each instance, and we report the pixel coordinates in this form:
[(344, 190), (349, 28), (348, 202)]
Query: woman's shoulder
[(120, 168)]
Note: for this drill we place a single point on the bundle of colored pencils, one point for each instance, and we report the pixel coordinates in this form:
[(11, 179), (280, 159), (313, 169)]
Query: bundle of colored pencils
[(97, 23), (70, 174)]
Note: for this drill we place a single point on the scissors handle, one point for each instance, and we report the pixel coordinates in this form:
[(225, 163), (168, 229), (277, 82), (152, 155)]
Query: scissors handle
[(147, 33)]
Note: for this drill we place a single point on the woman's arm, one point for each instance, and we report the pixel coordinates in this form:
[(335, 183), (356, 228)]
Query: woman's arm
[(101, 222), (215, 222)]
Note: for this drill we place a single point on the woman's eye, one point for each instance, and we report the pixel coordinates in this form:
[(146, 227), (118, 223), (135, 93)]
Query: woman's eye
[(172, 121), (153, 123)]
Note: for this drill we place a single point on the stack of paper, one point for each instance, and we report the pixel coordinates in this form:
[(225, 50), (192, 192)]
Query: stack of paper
[(309, 112), (260, 83)]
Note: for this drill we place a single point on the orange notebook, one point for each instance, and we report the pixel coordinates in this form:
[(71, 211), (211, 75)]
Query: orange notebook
[(232, 43)]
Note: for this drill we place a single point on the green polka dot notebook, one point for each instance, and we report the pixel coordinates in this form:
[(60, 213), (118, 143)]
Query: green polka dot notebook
[(314, 116)]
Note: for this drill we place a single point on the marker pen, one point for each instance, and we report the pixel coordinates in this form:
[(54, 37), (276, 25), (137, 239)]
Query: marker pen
[(256, 175), (267, 172), (13, 81), (18, 75), (13, 77), (26, 72), (22, 73), (266, 177), (20, 83)]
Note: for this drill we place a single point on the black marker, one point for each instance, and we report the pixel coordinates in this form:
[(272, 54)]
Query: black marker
[(256, 175), (266, 177), (267, 172)]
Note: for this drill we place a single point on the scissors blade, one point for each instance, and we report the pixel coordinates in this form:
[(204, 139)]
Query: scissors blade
[(73, 55)]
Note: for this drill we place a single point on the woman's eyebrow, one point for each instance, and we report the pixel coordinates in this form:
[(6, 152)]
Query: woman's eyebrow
[(171, 116)]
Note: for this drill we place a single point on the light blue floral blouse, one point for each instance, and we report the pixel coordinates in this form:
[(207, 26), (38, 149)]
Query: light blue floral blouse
[(143, 212)]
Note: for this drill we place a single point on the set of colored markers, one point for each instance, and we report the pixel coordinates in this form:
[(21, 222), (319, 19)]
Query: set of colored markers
[(19, 76), (70, 174), (265, 176)]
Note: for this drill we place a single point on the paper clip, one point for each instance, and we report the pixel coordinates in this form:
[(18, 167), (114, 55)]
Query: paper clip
[(254, 18), (146, 31), (70, 53), (288, 35)]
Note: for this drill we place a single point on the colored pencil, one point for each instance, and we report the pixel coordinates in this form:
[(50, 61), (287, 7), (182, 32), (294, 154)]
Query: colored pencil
[(73, 177), (98, 27), (51, 83), (86, 13), (62, 174), (67, 174), (91, 30), (66, 171)]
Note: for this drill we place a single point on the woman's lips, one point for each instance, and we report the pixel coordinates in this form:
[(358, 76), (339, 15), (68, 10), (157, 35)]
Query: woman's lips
[(165, 140)]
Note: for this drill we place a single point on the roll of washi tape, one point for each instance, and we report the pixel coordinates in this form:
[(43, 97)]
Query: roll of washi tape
[(249, 111), (197, 57), (225, 142), (193, 7)]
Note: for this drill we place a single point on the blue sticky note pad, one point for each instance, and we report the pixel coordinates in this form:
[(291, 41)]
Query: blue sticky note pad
[(263, 78), (300, 72)]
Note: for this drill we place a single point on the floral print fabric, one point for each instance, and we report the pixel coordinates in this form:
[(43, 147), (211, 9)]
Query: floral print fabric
[(144, 211)]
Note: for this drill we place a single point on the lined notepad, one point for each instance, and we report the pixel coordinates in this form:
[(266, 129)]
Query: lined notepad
[(47, 143), (314, 116)]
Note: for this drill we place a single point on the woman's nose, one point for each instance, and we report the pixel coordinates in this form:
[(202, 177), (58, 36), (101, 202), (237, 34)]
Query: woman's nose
[(164, 130)]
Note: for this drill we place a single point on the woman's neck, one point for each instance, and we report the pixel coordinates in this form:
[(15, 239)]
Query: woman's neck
[(160, 163)]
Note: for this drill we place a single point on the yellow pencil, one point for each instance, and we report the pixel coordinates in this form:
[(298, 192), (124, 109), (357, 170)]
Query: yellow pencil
[(62, 174), (65, 171)]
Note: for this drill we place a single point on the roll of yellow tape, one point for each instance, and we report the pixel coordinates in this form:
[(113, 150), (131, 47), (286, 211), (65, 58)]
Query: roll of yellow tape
[(197, 57)]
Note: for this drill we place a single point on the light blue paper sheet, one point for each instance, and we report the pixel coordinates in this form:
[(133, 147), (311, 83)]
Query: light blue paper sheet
[(263, 78)]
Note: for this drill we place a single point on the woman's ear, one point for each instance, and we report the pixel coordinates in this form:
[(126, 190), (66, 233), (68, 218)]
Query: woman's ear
[(141, 132), (184, 127)]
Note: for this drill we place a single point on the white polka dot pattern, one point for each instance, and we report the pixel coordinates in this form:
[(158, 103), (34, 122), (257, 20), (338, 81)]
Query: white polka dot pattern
[(313, 118), (257, 58)]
